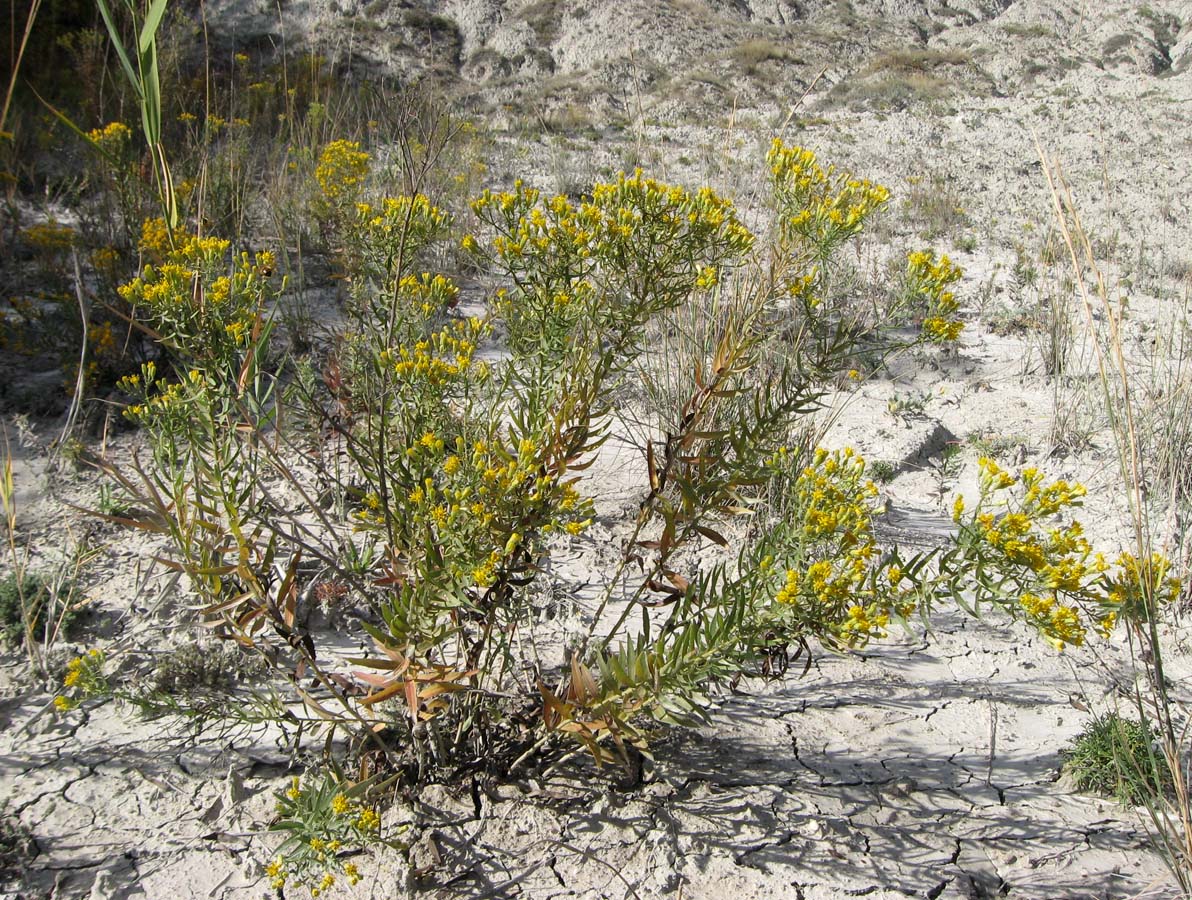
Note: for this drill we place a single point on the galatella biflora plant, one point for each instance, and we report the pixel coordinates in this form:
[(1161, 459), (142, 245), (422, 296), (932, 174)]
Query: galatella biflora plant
[(460, 444)]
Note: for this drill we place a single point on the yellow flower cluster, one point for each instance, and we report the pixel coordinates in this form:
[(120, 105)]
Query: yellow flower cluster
[(708, 278), (446, 356), (928, 281), (392, 232), (477, 499), (528, 231), (64, 704), (161, 402), (106, 261), (824, 207), (830, 582), (835, 496), (191, 298), (703, 217), (393, 214), (1017, 531), (802, 288), (1048, 499), (1141, 586), (101, 339), (84, 676), (341, 170), (429, 295), (321, 822), (1009, 535), (368, 820), (1058, 556), (82, 668), (1060, 624), (276, 870), (824, 596), (156, 239), (111, 138), (1011, 550), (829, 591), (864, 623), (992, 476), (49, 237), (637, 243)]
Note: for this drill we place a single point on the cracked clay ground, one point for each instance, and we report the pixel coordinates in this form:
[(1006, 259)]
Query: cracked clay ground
[(927, 769)]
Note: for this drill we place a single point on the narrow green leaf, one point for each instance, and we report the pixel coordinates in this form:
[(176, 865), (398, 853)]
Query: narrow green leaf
[(152, 22), (150, 96), (133, 80)]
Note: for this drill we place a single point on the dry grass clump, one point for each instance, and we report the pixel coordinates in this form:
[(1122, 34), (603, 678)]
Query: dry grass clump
[(1017, 29), (895, 91), (545, 17), (934, 206), (750, 55), (920, 60), (903, 78)]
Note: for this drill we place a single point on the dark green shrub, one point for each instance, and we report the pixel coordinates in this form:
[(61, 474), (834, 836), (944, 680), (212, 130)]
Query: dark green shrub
[(38, 595), (1118, 757), (16, 844)]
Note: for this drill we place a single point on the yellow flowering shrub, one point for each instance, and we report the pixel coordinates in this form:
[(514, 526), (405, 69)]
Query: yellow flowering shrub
[(194, 297), (928, 280), (325, 822), (827, 555), (106, 261), (157, 240), (466, 516), (634, 249), (112, 139), (444, 454), (1019, 548), (341, 170), (393, 231), (84, 679), (51, 237), (1137, 588), (822, 207)]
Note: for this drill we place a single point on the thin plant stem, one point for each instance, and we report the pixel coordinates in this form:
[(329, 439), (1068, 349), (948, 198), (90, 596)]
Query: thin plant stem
[(34, 8)]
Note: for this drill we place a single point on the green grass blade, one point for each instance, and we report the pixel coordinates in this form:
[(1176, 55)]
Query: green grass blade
[(152, 22), (169, 197), (114, 34), (151, 95)]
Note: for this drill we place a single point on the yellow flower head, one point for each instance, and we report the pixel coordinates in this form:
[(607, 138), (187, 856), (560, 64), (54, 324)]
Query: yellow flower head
[(342, 168)]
